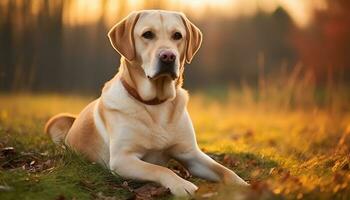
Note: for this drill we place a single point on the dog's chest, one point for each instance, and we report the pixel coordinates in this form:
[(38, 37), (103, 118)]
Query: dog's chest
[(142, 131), (155, 144), (159, 136), (159, 126), (147, 128)]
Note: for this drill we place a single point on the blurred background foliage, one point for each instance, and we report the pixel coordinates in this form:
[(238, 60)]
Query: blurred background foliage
[(270, 92), (268, 46)]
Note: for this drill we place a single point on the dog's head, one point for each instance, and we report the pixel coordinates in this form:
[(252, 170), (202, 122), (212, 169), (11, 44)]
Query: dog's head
[(160, 41)]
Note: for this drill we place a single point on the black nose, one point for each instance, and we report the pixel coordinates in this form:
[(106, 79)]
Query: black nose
[(167, 56)]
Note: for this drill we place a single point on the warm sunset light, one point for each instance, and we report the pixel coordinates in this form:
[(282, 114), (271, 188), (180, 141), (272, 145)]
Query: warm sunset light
[(82, 12)]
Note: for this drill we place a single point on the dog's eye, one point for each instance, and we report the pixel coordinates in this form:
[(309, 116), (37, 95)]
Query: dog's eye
[(177, 36), (148, 35)]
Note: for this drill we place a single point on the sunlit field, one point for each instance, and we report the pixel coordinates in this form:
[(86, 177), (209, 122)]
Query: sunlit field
[(283, 151)]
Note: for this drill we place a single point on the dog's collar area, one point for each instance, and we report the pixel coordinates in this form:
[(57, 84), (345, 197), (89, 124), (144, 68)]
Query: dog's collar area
[(136, 95)]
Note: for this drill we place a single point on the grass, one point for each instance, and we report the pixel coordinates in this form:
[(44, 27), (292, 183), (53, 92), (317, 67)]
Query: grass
[(284, 152)]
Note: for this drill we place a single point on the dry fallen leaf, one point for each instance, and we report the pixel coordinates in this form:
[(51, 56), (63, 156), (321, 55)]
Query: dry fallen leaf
[(230, 161), (181, 171), (149, 191)]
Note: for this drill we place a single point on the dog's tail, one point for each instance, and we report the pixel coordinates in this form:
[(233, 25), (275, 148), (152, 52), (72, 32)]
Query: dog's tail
[(58, 126)]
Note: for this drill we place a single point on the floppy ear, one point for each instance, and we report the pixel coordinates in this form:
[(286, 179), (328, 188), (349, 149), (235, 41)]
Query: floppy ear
[(193, 38), (121, 36)]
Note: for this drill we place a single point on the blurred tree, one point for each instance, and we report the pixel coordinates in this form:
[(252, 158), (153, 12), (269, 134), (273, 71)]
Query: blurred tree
[(231, 48), (324, 47)]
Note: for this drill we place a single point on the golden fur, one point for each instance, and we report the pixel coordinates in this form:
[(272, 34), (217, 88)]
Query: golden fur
[(134, 139)]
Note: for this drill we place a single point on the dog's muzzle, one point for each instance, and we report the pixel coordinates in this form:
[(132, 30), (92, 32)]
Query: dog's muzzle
[(166, 65)]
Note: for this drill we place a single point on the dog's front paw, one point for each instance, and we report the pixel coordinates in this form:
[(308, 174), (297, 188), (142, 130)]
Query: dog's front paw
[(182, 188), (232, 178)]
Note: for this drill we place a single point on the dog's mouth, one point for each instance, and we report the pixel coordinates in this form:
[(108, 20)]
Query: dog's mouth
[(157, 76), (164, 71)]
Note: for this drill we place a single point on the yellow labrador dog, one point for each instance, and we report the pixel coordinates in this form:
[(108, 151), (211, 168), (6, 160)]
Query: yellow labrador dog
[(140, 120)]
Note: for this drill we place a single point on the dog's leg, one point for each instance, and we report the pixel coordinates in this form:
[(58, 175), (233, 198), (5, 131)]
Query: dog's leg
[(130, 166), (201, 165)]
